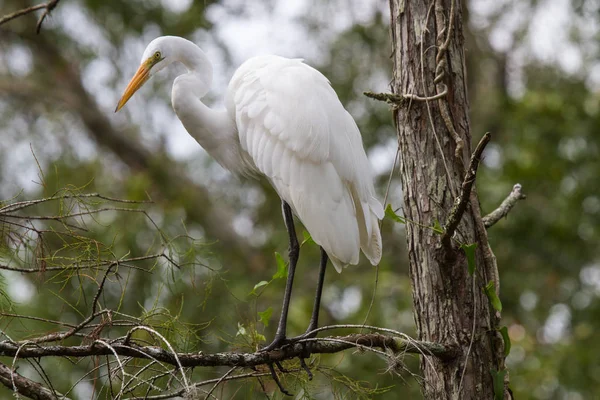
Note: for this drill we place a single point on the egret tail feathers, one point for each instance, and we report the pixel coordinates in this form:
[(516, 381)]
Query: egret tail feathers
[(371, 245)]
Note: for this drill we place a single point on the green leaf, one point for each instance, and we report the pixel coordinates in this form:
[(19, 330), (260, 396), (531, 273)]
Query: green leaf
[(504, 332), (265, 316), (469, 250), (259, 285), (437, 228), (498, 382), (281, 267), (490, 292), (307, 238), (260, 338), (389, 212)]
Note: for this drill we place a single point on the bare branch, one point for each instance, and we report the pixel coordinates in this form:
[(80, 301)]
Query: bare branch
[(460, 203), (397, 99), (92, 264), (25, 386), (52, 337), (49, 6), (28, 203), (504, 208), (181, 392), (233, 359)]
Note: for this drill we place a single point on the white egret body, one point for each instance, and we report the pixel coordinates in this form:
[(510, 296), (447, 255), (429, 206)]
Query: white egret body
[(282, 120)]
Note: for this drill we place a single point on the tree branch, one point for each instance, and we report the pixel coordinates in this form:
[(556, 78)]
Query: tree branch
[(396, 99), (25, 386), (49, 6), (233, 359), (504, 208), (460, 203)]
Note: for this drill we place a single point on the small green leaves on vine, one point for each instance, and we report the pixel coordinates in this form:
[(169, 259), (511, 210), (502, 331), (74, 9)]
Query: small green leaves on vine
[(265, 316), (281, 267), (469, 250), (498, 382), (258, 286), (282, 272), (391, 214), (250, 334), (490, 292), (504, 332)]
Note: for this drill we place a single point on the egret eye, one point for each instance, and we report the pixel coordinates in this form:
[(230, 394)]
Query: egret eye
[(157, 56)]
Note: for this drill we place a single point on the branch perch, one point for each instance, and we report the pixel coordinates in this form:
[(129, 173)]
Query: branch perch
[(21, 385), (49, 6), (504, 208), (233, 359), (460, 203), (396, 99)]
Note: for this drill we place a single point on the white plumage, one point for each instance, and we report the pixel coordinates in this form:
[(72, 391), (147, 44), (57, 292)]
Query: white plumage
[(297, 133), (283, 120)]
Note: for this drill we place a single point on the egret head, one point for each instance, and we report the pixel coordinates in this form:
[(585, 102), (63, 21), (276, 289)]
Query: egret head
[(156, 56)]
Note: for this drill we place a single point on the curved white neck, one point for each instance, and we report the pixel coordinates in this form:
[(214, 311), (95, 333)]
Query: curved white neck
[(214, 130), (200, 71)]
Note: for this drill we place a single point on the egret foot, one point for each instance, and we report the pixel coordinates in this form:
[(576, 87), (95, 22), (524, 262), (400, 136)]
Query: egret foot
[(281, 367), (277, 381), (278, 342), (305, 367), (282, 341)]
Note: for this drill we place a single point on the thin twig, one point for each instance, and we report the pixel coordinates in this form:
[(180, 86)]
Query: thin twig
[(19, 13), (53, 337), (460, 203), (49, 6), (504, 208), (397, 99), (108, 346), (94, 264), (77, 214), (10, 315), (219, 381), (207, 382), (154, 332), (28, 203)]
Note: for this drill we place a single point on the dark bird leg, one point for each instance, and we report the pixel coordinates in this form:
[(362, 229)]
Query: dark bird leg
[(294, 252), (277, 381), (314, 319)]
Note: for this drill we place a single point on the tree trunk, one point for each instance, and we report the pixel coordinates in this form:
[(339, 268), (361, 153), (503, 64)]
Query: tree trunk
[(450, 306)]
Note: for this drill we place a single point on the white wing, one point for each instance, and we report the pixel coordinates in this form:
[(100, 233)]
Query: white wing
[(297, 133)]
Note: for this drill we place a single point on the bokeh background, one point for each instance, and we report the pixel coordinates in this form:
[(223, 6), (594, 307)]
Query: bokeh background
[(534, 76)]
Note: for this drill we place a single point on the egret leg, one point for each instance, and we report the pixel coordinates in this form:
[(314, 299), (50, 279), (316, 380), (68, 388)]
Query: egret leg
[(294, 252), (314, 319)]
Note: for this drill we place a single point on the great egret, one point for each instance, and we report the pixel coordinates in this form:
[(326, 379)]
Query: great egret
[(282, 119)]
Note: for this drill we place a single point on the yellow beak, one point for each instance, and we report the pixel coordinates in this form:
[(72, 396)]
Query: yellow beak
[(138, 80)]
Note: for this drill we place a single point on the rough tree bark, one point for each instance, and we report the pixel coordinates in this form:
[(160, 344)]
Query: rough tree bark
[(435, 144)]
